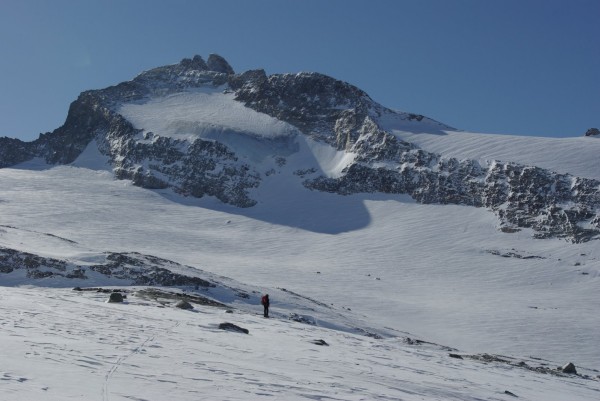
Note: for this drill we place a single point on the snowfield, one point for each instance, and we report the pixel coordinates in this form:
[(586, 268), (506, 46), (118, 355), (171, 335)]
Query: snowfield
[(575, 156), (384, 264), (59, 344), (208, 113)]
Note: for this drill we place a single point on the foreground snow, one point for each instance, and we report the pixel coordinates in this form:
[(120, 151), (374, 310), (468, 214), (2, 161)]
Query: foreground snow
[(67, 345)]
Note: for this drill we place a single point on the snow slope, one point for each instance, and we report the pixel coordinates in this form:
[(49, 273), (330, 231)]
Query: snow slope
[(213, 114), (428, 270), (66, 345), (576, 156), (205, 113)]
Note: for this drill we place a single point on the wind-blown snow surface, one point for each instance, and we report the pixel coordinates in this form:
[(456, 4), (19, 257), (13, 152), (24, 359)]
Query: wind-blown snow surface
[(58, 344), (424, 269), (204, 113), (444, 274), (575, 156)]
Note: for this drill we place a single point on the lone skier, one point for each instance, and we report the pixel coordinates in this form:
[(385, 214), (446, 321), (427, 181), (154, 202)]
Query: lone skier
[(265, 303)]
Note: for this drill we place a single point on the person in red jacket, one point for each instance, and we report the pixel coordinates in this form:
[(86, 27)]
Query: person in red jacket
[(265, 303)]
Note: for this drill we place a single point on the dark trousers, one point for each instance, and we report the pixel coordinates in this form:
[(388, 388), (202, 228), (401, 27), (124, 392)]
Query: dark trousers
[(266, 310)]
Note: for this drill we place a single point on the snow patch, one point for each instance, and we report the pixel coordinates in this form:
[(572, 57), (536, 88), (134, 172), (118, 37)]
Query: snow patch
[(202, 113), (91, 158)]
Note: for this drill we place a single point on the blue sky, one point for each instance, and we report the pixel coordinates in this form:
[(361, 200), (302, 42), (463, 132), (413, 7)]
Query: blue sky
[(524, 67)]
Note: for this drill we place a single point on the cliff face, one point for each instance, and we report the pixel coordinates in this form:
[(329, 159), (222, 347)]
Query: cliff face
[(323, 110)]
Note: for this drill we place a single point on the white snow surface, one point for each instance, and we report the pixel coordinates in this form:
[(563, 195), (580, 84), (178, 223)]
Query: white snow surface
[(576, 156), (378, 263), (383, 263), (58, 344), (208, 113)]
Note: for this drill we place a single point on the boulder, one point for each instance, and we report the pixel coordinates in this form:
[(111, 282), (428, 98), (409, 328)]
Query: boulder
[(115, 297), (184, 305), (233, 327), (569, 368)]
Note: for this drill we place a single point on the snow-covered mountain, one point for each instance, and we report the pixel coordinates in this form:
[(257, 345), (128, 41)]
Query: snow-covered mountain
[(366, 225), (200, 129)]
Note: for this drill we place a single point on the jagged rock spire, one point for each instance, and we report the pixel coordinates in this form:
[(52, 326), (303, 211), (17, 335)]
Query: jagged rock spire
[(219, 64), (214, 63), (196, 63)]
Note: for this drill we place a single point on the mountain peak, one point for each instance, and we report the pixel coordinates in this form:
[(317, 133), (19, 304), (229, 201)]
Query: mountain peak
[(214, 63), (195, 63)]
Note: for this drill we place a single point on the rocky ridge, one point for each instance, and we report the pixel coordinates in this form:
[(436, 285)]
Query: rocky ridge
[(326, 110), (552, 204), (120, 268)]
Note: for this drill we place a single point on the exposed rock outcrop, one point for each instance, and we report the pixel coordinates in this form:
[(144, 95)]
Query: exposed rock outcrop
[(14, 151), (219, 64), (122, 268), (593, 132), (522, 196)]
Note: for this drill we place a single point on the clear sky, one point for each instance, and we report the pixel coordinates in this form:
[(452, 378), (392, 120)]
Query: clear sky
[(524, 67)]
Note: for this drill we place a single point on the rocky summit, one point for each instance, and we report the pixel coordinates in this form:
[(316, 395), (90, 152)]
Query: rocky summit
[(200, 129)]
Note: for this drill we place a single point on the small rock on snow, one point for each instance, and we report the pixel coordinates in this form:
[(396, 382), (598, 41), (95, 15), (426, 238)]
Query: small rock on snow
[(569, 368), (233, 327)]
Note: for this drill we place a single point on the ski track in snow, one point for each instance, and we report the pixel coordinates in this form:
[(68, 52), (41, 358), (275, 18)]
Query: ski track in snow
[(119, 362), (69, 345)]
